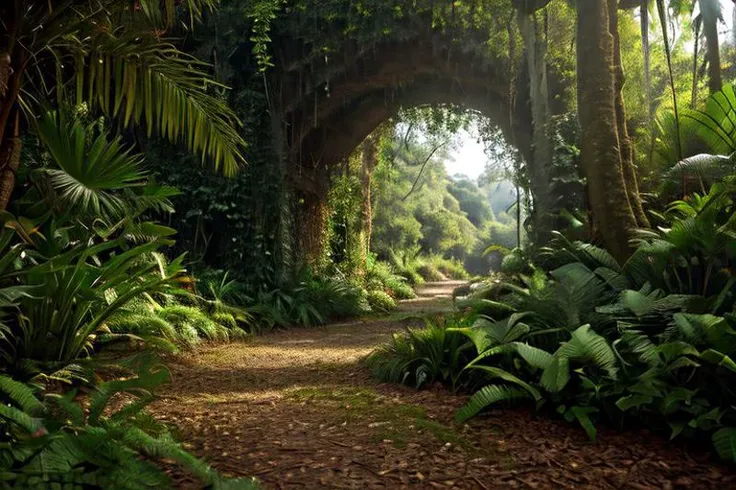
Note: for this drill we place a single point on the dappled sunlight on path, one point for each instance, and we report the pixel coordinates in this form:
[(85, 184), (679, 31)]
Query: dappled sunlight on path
[(297, 409)]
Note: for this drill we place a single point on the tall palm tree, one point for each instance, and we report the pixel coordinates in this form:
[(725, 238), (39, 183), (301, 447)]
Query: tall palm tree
[(114, 56)]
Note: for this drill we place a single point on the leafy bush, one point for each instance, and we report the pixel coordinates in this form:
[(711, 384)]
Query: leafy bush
[(309, 300), (52, 440), (176, 323), (381, 301), (398, 288), (380, 275), (450, 268), (421, 356), (406, 265), (429, 272), (81, 250), (650, 340)]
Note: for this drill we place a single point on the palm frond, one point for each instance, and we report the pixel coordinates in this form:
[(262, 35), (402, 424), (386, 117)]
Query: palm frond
[(147, 82), (88, 179)]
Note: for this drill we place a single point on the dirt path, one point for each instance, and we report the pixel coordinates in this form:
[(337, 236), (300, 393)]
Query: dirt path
[(297, 410)]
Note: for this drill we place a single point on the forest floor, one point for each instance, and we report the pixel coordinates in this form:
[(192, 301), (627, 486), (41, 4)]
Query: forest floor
[(297, 409)]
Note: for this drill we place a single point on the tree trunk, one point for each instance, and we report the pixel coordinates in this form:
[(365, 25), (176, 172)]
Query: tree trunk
[(535, 46), (644, 14), (694, 94), (709, 10), (600, 156), (10, 147), (369, 161), (11, 74), (312, 224), (625, 147)]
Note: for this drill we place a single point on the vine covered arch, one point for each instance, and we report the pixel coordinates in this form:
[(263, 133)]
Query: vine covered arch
[(325, 106)]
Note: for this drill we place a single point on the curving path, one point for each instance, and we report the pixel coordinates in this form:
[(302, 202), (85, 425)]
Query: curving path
[(296, 409)]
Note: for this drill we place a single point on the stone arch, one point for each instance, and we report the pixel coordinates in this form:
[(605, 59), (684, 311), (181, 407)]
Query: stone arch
[(326, 111)]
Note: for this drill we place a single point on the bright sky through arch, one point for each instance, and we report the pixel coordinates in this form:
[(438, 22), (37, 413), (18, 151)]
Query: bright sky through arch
[(469, 157)]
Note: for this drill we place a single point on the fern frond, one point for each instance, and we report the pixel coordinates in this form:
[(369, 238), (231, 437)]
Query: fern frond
[(488, 396), (20, 394)]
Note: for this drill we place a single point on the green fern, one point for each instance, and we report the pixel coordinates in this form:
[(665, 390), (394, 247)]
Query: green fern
[(487, 396), (724, 441), (104, 449)]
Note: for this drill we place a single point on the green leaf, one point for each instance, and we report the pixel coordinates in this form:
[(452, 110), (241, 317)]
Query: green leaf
[(495, 372), (719, 359), (633, 401), (20, 394), (724, 441), (556, 375), (487, 396), (582, 415)]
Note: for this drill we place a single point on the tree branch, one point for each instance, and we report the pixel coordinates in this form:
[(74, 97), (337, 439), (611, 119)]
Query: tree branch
[(421, 170)]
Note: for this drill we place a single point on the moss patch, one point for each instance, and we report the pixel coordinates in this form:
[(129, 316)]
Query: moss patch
[(387, 420)]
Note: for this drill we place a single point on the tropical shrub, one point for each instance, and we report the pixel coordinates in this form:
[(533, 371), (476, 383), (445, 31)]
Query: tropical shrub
[(422, 356), (81, 250), (650, 341), (429, 271), (64, 440), (406, 264), (450, 268), (380, 301), (177, 324), (308, 300), (380, 275)]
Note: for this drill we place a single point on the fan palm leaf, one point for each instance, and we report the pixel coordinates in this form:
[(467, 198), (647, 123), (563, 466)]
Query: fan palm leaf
[(88, 176)]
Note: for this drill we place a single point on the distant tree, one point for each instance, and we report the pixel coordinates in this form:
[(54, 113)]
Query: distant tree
[(472, 201)]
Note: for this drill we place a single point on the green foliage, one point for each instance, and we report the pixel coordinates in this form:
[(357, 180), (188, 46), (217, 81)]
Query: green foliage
[(179, 324), (421, 356), (380, 275), (115, 60), (489, 395), (472, 201), (449, 268), (381, 301), (50, 440), (307, 300), (81, 250), (429, 272), (346, 241), (414, 205), (707, 136), (650, 340)]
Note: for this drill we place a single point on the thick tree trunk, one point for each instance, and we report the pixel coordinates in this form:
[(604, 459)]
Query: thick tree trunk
[(600, 155), (709, 10), (535, 46), (625, 147)]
